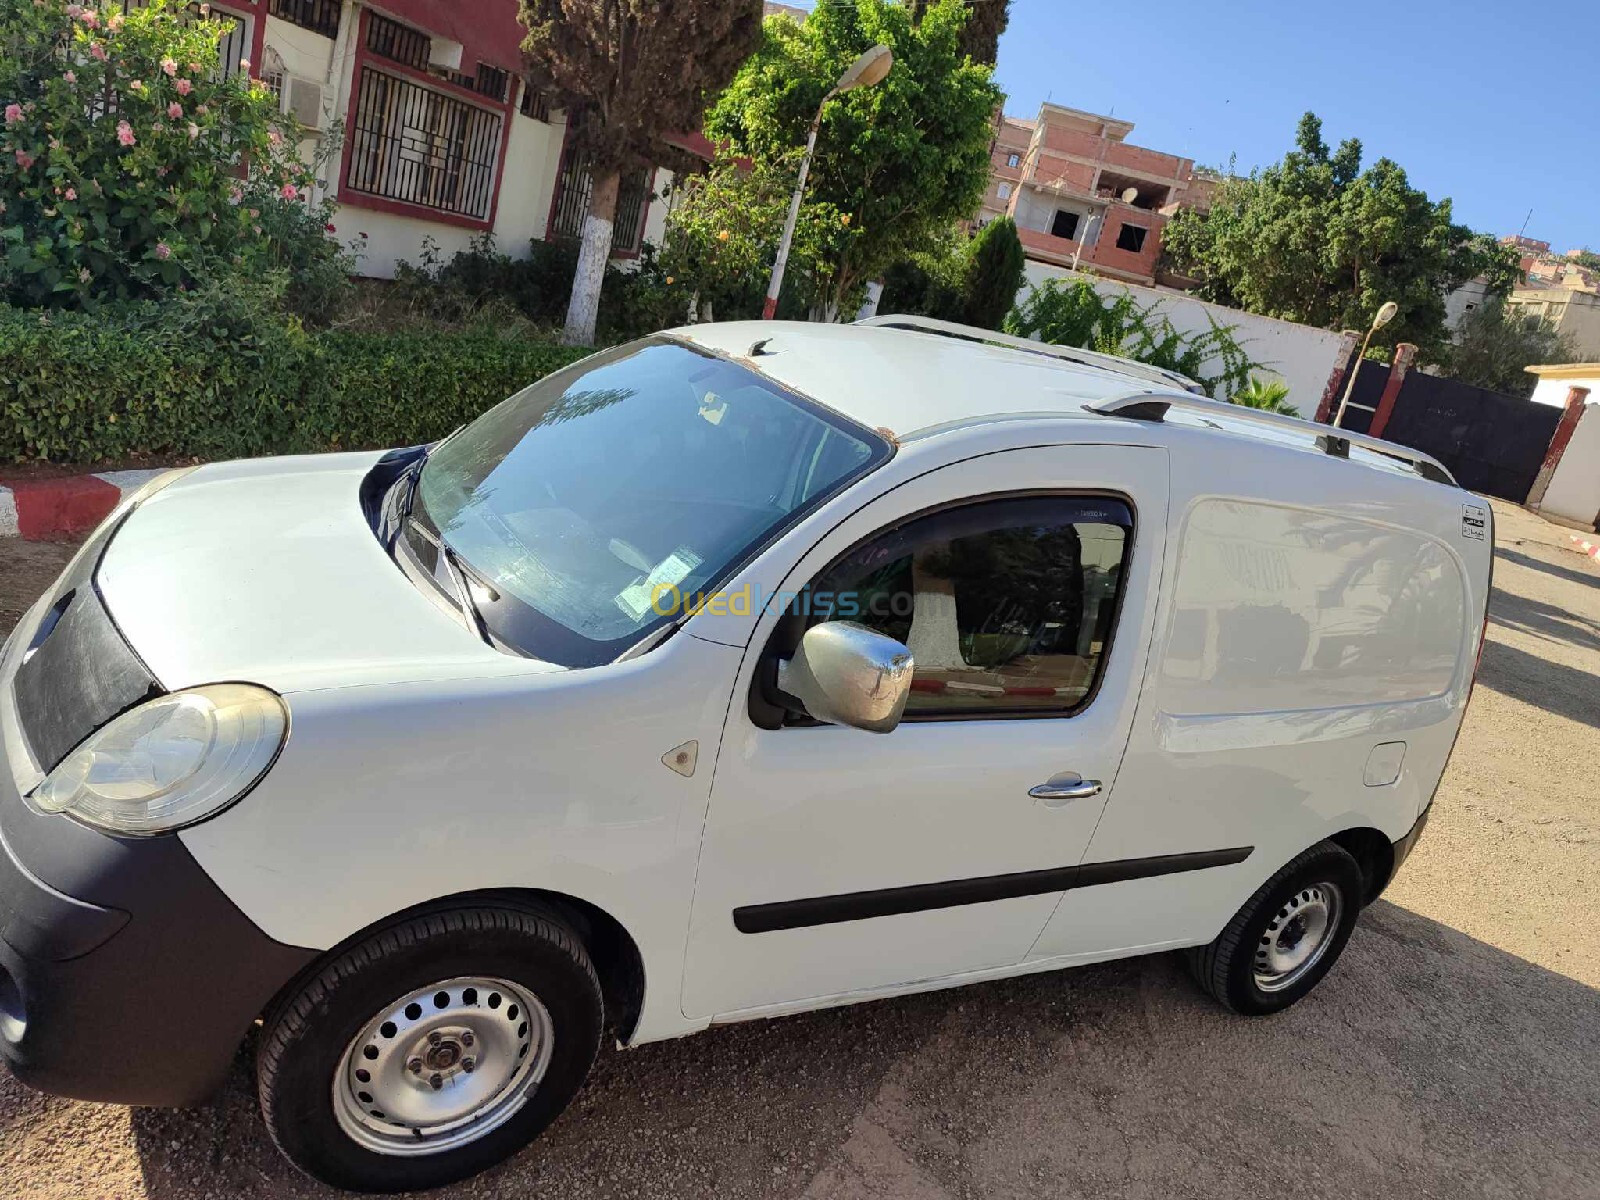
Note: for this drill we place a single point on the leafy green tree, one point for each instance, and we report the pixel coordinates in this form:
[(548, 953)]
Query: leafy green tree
[(1316, 239), (628, 73), (1076, 314), (1495, 345), (994, 274), (986, 21), (900, 162), (723, 232), (129, 168)]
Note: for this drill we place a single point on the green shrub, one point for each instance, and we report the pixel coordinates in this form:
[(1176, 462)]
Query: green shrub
[(131, 168), (633, 302), (218, 376), (1073, 313)]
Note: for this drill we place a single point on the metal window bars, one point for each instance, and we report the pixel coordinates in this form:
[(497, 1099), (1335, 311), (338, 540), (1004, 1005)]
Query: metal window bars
[(419, 146), (319, 16)]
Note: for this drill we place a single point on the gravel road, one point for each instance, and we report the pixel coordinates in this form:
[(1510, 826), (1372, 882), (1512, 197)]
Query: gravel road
[(1454, 1052)]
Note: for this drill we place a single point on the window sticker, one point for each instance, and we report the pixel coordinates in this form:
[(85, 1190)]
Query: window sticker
[(636, 599)]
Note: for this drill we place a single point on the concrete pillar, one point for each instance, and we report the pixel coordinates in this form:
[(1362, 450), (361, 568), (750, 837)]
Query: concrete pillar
[(1342, 367), (1570, 416), (1404, 355)]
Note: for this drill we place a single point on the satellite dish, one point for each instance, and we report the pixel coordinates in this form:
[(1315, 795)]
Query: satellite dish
[(1129, 195)]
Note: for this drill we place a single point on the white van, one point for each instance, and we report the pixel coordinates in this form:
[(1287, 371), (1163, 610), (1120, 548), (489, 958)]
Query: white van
[(442, 761)]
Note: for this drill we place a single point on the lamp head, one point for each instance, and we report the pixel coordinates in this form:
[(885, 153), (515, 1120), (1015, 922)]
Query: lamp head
[(1385, 314), (867, 70)]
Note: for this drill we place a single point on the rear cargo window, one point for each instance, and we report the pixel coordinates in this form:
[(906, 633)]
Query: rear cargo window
[(1278, 609)]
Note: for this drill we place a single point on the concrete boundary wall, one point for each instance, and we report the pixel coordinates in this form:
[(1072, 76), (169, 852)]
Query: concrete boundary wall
[(1302, 356)]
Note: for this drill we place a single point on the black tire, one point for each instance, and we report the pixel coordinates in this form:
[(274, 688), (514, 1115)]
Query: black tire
[(305, 1039), (1227, 968)]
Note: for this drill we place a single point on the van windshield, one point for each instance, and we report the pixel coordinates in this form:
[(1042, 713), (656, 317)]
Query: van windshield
[(579, 504)]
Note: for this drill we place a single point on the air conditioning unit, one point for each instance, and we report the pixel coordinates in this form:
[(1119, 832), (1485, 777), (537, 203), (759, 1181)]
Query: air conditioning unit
[(302, 100)]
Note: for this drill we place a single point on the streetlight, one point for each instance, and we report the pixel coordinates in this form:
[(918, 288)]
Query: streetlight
[(867, 71), (1383, 317)]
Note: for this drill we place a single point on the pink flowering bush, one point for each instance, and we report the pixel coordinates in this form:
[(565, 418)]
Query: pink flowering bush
[(124, 176)]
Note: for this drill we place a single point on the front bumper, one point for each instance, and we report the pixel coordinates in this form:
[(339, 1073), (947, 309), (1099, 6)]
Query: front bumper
[(126, 974)]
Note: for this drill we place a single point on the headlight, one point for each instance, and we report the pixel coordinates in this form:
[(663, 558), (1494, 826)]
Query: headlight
[(170, 762)]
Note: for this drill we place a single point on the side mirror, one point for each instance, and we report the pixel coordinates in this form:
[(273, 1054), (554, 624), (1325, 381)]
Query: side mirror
[(845, 674)]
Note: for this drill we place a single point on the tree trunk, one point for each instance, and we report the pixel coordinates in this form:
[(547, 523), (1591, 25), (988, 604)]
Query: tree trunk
[(592, 258)]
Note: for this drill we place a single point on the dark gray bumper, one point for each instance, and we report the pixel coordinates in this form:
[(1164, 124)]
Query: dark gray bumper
[(126, 975)]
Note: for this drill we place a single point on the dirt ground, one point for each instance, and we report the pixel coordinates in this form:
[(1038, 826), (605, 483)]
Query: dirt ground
[(1455, 1051)]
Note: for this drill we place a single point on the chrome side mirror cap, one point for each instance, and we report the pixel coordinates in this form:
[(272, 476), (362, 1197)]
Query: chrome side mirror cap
[(846, 674)]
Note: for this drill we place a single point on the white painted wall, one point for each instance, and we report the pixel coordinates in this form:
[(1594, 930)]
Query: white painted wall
[(533, 160), (1553, 389), (1470, 295), (1302, 356), (1574, 491)]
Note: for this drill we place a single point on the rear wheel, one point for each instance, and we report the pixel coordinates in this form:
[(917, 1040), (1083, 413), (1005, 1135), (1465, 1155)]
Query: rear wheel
[(431, 1050), (1286, 937)]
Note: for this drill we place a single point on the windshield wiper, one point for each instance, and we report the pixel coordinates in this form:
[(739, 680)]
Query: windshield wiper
[(469, 606)]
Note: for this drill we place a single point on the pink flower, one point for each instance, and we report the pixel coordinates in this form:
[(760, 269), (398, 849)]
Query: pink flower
[(205, 10), (136, 86), (96, 50), (90, 19), (194, 68), (289, 191), (72, 193), (70, 77), (254, 213), (328, 228), (194, 131), (257, 228), (74, 11), (163, 251), (174, 110), (244, 64), (13, 113), (24, 159), (114, 21), (235, 196), (184, 87), (170, 66), (125, 133), (274, 137)]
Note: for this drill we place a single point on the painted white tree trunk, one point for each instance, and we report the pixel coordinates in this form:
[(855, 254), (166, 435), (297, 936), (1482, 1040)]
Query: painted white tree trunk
[(934, 640), (593, 254)]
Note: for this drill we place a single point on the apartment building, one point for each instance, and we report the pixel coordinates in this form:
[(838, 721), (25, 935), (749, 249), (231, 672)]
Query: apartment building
[(1571, 311), (1083, 195), (441, 138)]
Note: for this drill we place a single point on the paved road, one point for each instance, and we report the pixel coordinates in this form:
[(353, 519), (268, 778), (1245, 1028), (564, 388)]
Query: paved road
[(1455, 1051)]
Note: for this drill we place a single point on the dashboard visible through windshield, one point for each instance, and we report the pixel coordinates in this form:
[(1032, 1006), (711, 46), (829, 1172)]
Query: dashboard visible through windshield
[(571, 506)]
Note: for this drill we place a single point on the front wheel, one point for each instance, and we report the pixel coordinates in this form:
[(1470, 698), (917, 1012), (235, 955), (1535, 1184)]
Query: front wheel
[(1286, 937), (431, 1050)]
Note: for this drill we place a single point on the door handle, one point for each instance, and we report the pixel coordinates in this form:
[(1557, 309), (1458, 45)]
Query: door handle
[(1063, 789)]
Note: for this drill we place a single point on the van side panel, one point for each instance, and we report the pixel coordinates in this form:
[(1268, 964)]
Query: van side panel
[(1297, 644)]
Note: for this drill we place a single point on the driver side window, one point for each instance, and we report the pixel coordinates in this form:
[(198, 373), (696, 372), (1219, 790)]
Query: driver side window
[(1006, 605)]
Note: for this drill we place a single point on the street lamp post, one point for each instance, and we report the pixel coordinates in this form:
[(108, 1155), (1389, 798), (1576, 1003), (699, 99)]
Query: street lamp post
[(866, 71), (1383, 316)]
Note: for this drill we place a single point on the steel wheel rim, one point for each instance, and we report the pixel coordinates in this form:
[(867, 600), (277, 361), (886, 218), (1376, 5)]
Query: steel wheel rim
[(442, 1066), (1298, 936)]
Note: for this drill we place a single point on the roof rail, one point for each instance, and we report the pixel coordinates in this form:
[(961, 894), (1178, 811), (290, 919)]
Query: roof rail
[(1072, 354), (1153, 406)]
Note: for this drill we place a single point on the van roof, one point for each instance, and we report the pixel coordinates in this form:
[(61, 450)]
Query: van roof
[(924, 376)]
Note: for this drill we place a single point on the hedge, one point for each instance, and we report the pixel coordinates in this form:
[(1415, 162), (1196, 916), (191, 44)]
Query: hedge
[(212, 383)]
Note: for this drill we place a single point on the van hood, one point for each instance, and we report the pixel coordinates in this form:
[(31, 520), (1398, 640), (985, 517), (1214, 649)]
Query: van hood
[(266, 571)]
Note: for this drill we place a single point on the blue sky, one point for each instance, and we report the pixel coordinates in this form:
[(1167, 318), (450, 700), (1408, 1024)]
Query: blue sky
[(1493, 103)]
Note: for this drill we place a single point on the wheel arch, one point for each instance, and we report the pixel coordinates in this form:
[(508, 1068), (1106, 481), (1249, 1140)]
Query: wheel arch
[(1374, 854), (616, 956)]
